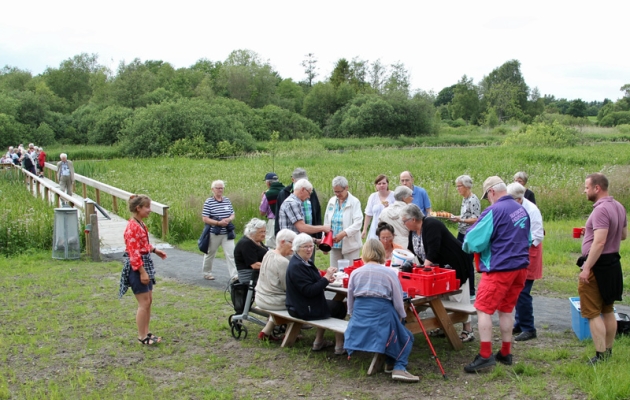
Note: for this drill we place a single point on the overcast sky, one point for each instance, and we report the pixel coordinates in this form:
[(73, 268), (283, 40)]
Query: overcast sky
[(568, 49)]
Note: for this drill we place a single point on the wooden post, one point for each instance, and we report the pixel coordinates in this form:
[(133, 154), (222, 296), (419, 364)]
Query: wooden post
[(98, 196), (95, 250), (165, 224), (38, 188), (84, 190), (115, 204), (89, 209), (57, 200), (47, 194)]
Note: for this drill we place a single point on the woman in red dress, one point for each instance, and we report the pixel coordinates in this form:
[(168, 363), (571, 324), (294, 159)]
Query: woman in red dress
[(138, 272)]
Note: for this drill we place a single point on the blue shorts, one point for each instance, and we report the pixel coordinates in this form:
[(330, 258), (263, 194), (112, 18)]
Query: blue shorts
[(136, 285)]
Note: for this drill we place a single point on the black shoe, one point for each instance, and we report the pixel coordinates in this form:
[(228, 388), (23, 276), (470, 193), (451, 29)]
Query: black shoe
[(595, 360), (516, 331), (525, 336), (480, 363), (506, 360)]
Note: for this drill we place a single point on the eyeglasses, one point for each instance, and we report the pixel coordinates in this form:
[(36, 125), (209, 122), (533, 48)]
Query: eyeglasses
[(219, 188), (307, 247), (404, 221)]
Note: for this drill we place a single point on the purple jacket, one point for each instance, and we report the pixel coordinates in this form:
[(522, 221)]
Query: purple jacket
[(502, 237)]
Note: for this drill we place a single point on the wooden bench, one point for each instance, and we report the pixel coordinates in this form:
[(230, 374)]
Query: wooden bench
[(294, 325), (454, 306)]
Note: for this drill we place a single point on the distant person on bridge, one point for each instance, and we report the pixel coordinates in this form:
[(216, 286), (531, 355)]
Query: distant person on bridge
[(41, 160), (138, 272), (65, 174)]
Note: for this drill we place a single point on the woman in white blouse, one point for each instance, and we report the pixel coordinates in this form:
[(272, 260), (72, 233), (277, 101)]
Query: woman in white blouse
[(376, 203)]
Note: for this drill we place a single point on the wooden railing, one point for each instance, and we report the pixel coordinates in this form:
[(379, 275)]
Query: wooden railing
[(158, 208), (35, 185)]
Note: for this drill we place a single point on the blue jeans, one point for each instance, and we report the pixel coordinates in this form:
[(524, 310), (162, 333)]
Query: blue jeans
[(524, 318), (471, 266)]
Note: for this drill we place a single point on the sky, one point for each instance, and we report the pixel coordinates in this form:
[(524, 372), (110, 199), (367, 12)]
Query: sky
[(566, 49)]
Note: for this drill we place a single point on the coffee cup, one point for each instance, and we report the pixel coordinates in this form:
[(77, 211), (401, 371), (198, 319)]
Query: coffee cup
[(578, 232)]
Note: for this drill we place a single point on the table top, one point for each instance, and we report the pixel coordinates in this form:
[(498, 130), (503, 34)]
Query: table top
[(416, 299)]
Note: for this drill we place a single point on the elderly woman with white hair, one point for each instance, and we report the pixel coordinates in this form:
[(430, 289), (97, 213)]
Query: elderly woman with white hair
[(345, 217), (524, 317), (521, 177), (219, 214), (250, 250), (391, 215), (271, 290), (468, 215), (305, 292), (433, 244)]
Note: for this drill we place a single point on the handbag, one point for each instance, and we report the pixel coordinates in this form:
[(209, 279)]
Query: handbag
[(204, 241)]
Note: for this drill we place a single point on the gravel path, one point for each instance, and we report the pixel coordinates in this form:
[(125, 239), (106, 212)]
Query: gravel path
[(551, 314)]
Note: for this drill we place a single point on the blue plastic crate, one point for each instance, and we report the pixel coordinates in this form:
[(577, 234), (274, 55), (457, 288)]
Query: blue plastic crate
[(578, 323)]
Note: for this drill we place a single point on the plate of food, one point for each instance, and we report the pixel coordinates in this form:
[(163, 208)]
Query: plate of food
[(441, 214)]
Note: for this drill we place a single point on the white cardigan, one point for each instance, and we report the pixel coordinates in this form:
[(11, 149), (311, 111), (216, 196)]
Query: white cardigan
[(352, 222)]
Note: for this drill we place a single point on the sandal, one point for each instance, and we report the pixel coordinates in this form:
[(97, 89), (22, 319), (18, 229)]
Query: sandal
[(437, 333), (321, 345), (151, 336), (340, 351), (148, 341), (467, 336)]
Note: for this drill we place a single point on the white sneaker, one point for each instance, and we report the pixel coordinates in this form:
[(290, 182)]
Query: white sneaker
[(404, 376)]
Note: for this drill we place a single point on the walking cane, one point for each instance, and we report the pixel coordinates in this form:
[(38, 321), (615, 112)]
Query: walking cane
[(415, 312)]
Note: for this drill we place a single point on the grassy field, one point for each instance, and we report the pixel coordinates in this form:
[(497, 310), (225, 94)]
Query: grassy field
[(556, 176), (64, 334)]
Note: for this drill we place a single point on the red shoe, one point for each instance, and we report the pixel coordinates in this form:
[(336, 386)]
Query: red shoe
[(263, 336)]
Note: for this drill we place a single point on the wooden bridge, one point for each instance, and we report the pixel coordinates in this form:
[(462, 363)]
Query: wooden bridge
[(110, 230)]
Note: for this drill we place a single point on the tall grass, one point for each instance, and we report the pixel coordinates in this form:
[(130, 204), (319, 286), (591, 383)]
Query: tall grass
[(556, 176), (25, 222)]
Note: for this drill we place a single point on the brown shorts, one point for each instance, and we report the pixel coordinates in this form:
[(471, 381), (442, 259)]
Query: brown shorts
[(591, 302)]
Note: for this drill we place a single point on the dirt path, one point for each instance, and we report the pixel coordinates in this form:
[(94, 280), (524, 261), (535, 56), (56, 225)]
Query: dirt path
[(551, 314)]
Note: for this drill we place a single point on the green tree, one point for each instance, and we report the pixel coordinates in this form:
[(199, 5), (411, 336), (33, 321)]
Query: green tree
[(320, 103), (377, 73), (132, 82), (43, 135), (505, 90), (341, 73), (445, 96), (465, 103), (289, 95), (108, 124), (12, 131), (577, 108), (71, 81), (13, 78), (398, 82)]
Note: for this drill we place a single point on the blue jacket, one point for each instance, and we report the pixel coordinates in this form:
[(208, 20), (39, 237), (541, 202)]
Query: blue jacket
[(502, 237)]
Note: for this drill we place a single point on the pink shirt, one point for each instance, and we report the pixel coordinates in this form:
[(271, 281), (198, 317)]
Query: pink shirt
[(607, 214)]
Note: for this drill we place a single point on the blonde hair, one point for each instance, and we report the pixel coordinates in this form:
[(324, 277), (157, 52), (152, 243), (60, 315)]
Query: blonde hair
[(373, 251), (138, 200)]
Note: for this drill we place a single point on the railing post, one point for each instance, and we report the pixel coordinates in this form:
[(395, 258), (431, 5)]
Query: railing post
[(39, 188), (95, 250), (115, 204), (165, 224), (98, 196), (57, 200), (84, 190), (46, 194)]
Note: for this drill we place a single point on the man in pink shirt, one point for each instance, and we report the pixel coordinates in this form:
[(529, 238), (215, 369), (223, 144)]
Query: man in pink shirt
[(601, 279)]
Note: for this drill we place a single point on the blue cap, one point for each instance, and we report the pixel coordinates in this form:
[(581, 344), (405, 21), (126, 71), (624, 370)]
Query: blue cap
[(271, 176)]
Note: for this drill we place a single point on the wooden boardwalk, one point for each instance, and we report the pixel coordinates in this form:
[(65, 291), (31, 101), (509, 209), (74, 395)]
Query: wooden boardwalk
[(110, 230)]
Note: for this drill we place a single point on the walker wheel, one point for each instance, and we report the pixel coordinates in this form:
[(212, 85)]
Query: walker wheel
[(239, 329)]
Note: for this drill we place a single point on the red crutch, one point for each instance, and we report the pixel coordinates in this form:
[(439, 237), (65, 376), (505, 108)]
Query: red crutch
[(415, 312)]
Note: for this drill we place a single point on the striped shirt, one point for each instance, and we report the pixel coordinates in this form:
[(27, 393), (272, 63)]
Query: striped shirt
[(218, 210)]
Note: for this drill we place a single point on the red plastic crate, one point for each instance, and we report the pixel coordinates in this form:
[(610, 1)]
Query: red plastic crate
[(438, 281)]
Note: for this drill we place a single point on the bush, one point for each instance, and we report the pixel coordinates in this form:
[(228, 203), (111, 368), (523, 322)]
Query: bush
[(541, 134), (567, 120), (459, 122), (107, 125), (616, 118), (289, 124), (153, 130)]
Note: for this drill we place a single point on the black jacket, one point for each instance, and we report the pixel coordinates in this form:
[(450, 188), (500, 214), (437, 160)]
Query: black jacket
[(441, 247), (305, 291), (315, 205)]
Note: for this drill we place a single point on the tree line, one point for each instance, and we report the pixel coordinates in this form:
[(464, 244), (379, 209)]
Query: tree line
[(219, 108)]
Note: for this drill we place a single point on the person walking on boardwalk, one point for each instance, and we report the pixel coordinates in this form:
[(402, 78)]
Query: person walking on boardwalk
[(601, 279), (65, 174), (138, 272)]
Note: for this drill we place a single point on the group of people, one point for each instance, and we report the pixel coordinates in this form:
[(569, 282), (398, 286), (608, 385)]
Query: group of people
[(32, 158), (507, 238)]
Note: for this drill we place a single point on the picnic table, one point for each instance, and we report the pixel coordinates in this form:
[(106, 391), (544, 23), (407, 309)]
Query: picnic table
[(442, 317)]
